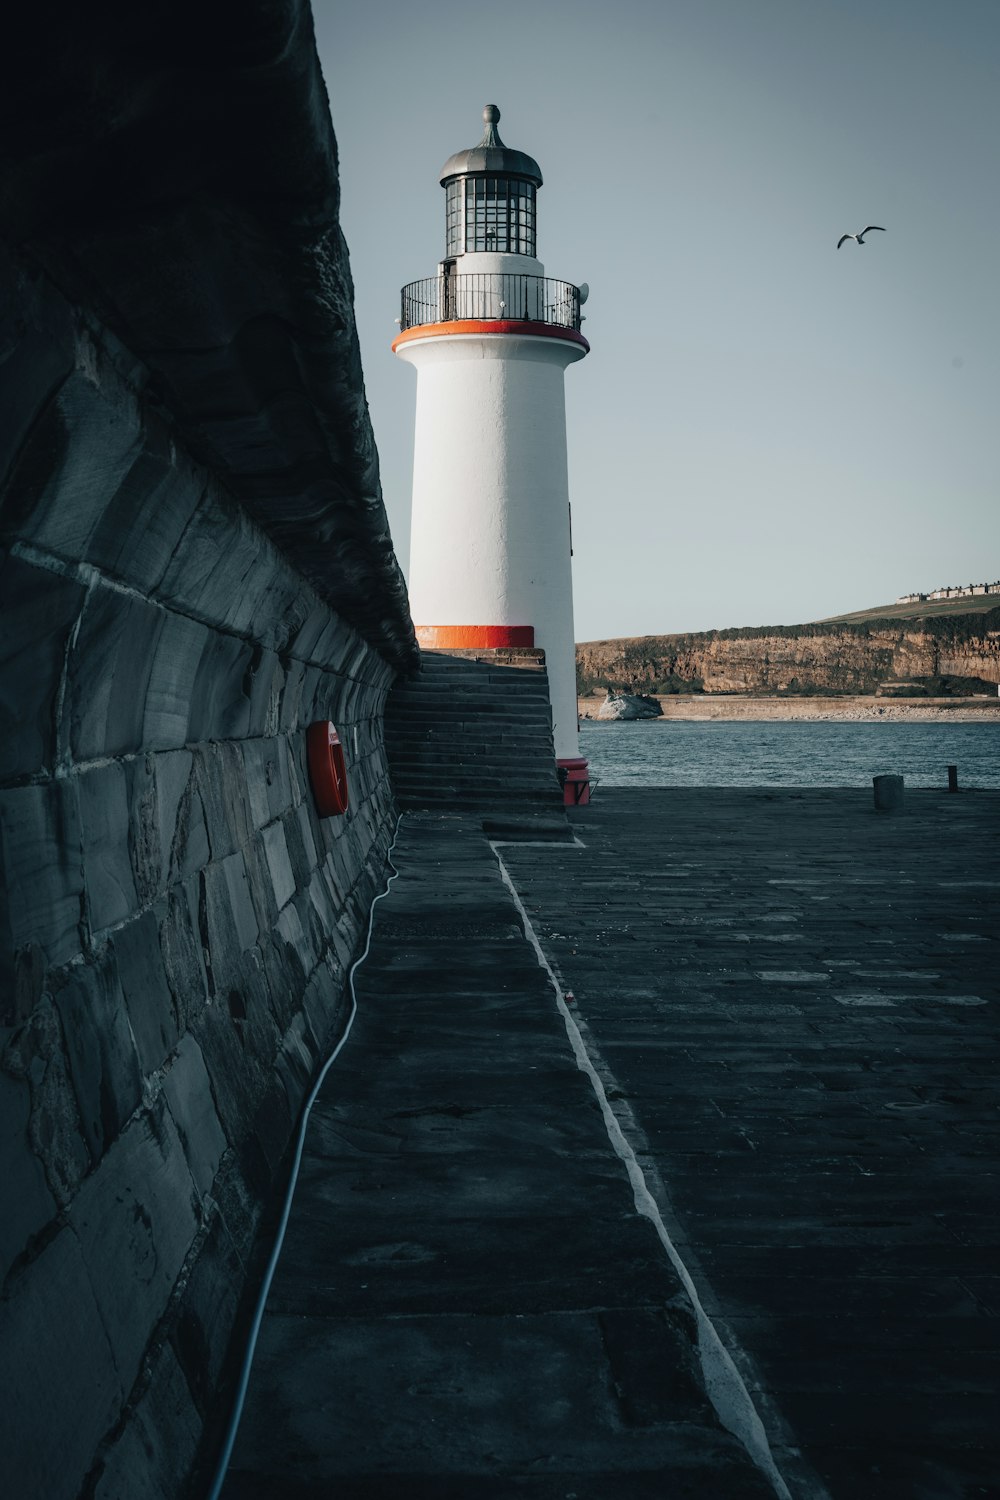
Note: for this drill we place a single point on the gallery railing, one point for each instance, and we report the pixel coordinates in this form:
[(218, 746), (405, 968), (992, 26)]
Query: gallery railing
[(488, 296)]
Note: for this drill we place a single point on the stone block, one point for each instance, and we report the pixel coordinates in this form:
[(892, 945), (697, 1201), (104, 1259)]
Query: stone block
[(256, 756), (335, 647), (188, 1093), (303, 641), (303, 846), (266, 683), (167, 835), (234, 874), (41, 873), (201, 1333), (76, 454), (266, 589), (188, 849), (99, 1049), (223, 571), (143, 831), (316, 929), (146, 514), (177, 655), (239, 1073), (158, 1446), (28, 1203), (217, 551), (288, 965), (278, 863), (182, 951), (238, 1207), (291, 712), (297, 1063), (314, 696), (104, 818), (284, 976), (220, 695), (152, 1014), (221, 779), (356, 660), (136, 1217), (63, 1391), (326, 1005), (219, 933), (35, 1055), (266, 1012), (37, 611), (261, 889), (109, 671), (322, 905), (299, 935), (272, 1126)]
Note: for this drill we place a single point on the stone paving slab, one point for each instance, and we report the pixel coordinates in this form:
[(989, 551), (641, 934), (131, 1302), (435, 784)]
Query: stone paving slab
[(794, 1004), (467, 1303)]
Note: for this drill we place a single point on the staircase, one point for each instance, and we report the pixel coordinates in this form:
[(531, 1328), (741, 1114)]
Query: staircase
[(472, 735)]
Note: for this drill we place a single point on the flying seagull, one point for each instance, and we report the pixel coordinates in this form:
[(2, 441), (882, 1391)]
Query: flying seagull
[(859, 238)]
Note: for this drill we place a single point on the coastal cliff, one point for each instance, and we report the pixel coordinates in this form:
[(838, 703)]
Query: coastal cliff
[(940, 655)]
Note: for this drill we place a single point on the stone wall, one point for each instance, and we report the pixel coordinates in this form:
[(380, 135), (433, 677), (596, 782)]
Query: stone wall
[(195, 563), (177, 921)]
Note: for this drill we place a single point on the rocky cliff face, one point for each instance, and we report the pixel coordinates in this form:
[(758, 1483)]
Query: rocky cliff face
[(961, 652)]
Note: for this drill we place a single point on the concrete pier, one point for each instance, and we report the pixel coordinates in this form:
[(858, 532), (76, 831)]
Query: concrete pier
[(790, 1008)]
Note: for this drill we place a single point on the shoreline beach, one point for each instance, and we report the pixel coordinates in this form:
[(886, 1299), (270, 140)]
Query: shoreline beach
[(738, 706)]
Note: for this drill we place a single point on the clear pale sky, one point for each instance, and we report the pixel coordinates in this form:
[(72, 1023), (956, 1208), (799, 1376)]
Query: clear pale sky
[(767, 430)]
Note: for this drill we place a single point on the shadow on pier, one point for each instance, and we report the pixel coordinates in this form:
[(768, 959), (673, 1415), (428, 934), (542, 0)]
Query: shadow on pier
[(790, 1003)]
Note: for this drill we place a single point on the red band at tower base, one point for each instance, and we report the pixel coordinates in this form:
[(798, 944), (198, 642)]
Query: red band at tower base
[(576, 783), (464, 637)]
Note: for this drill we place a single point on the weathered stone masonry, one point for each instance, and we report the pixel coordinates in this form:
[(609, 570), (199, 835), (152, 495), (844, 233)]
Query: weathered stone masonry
[(176, 921)]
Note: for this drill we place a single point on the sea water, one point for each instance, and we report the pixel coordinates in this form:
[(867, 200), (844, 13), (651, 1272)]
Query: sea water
[(678, 752)]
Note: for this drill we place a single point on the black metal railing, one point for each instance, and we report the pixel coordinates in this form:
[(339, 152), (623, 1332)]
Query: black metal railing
[(489, 296)]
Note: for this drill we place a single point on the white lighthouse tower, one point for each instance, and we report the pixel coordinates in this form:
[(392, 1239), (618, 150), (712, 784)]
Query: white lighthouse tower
[(491, 335)]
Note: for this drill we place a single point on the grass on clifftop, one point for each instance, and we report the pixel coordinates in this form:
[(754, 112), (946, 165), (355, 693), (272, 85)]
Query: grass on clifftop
[(951, 609), (975, 604)]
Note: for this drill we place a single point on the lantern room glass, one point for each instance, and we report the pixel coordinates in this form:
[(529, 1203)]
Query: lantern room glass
[(490, 214)]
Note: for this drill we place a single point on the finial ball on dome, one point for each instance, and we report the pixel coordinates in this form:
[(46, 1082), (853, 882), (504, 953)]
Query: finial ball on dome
[(491, 114)]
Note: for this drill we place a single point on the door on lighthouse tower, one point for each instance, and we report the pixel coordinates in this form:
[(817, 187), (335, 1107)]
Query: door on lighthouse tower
[(449, 291)]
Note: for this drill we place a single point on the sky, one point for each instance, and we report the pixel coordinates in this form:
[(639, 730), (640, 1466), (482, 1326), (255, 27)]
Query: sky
[(767, 430)]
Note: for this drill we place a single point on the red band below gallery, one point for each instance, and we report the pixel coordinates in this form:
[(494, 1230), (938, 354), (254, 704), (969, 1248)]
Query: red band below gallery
[(465, 637)]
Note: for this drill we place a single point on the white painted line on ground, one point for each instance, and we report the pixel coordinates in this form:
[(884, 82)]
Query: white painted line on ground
[(723, 1382)]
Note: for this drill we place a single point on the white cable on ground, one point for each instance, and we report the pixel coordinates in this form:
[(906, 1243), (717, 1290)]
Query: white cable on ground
[(272, 1264), (724, 1384)]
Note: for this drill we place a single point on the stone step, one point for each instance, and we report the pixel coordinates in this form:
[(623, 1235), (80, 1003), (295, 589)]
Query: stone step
[(473, 736), (499, 702), (431, 757), (448, 777), (467, 801), (455, 682), (449, 749), (505, 738), (455, 666)]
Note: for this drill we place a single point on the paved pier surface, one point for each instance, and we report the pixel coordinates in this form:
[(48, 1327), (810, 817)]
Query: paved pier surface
[(791, 1002), (795, 1000)]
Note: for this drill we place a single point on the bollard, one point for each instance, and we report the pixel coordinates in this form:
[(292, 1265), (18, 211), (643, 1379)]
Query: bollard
[(888, 793), (953, 778)]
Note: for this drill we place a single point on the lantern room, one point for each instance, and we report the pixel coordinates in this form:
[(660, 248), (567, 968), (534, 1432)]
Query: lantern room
[(490, 194)]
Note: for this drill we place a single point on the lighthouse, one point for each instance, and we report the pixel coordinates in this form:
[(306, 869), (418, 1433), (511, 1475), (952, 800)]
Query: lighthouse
[(491, 336)]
